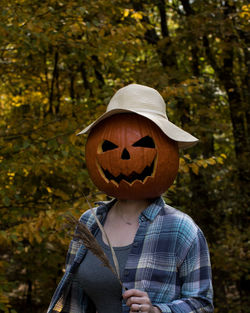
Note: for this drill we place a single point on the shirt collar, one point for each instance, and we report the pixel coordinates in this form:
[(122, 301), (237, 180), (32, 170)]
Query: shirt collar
[(153, 209), (104, 206), (150, 212)]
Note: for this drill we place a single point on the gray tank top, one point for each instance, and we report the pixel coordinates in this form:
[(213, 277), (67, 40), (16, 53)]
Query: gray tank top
[(98, 282)]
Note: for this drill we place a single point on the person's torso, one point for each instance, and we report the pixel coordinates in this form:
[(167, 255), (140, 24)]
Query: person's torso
[(98, 282)]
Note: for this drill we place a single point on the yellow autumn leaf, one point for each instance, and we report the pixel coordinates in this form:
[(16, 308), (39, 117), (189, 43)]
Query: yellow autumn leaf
[(245, 15), (220, 160), (194, 168), (49, 189), (211, 161), (246, 8), (187, 156), (182, 161), (26, 173), (205, 165), (184, 169), (126, 13), (200, 163), (137, 16)]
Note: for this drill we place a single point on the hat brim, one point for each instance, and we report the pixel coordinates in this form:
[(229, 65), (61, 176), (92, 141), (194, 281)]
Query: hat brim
[(184, 139)]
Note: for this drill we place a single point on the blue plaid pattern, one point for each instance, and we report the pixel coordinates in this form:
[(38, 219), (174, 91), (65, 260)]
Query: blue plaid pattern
[(169, 259)]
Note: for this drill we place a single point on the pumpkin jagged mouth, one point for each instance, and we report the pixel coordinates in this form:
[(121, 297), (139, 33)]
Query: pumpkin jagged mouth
[(131, 178)]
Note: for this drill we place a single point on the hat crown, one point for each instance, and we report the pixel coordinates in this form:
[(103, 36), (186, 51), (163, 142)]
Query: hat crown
[(147, 102), (138, 98)]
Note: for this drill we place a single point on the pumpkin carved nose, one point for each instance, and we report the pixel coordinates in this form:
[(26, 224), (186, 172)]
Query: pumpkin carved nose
[(125, 154)]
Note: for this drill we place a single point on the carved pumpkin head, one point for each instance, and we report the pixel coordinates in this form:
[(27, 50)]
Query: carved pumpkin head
[(129, 157)]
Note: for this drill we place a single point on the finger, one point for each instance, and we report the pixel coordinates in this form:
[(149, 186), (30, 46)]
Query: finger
[(136, 308), (133, 292), (138, 300), (135, 300)]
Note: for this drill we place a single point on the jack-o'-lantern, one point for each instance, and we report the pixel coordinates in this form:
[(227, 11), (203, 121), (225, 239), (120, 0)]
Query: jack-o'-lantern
[(129, 157)]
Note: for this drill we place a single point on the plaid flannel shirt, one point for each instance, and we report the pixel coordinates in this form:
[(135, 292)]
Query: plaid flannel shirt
[(169, 259)]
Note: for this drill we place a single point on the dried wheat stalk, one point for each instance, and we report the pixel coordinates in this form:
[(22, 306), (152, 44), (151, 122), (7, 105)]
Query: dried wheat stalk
[(116, 263), (83, 233)]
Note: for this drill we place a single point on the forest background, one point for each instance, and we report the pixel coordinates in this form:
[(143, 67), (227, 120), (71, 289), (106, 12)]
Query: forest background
[(60, 62)]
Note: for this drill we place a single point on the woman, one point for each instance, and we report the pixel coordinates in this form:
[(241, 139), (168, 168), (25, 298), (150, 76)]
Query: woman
[(132, 155)]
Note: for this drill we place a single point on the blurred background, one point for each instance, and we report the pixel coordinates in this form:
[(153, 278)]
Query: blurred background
[(60, 62)]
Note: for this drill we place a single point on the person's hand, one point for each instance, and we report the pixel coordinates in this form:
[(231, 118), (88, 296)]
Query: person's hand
[(139, 301)]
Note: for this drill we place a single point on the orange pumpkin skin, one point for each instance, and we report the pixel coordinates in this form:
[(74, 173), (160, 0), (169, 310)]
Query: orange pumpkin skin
[(129, 157)]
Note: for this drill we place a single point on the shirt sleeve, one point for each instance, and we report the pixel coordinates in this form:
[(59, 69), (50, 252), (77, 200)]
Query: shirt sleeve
[(72, 250), (195, 274)]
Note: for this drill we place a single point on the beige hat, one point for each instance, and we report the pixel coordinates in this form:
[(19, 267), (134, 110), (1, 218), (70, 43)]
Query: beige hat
[(146, 102)]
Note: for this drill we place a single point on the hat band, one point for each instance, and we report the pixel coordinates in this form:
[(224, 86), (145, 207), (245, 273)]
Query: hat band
[(141, 110)]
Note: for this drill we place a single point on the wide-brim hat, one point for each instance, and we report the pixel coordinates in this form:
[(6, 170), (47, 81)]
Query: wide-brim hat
[(146, 102)]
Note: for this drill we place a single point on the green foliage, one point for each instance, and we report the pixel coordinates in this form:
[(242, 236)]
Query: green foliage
[(60, 63)]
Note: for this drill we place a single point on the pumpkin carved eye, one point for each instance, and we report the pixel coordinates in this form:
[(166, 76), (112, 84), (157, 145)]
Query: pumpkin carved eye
[(108, 145), (146, 142)]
